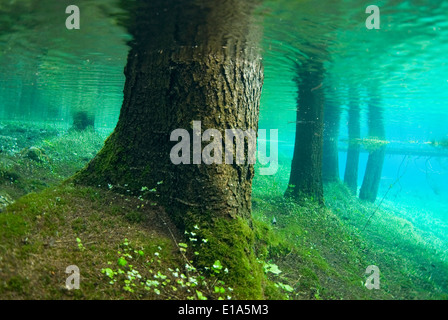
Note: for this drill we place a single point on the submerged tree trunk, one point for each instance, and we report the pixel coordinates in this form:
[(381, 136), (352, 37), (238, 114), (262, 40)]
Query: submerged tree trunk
[(374, 168), (354, 134), (330, 162), (305, 181), (189, 61)]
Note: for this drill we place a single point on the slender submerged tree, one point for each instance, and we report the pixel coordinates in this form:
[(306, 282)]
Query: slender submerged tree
[(306, 168), (354, 135), (374, 167), (189, 61), (330, 162)]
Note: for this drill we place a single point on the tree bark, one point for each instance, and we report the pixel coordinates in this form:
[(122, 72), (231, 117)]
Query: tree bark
[(305, 181), (354, 134), (189, 61), (372, 177), (330, 162), (374, 168)]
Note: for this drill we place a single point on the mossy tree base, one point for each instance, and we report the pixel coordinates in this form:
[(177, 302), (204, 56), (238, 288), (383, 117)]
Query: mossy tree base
[(232, 242)]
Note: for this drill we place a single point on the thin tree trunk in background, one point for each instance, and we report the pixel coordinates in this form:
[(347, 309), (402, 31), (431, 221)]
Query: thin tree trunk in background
[(305, 181), (374, 168), (354, 134), (330, 162), (189, 61)]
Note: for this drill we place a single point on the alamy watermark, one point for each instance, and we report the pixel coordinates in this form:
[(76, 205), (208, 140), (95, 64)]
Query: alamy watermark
[(214, 153), (373, 280), (72, 281), (74, 20), (373, 21)]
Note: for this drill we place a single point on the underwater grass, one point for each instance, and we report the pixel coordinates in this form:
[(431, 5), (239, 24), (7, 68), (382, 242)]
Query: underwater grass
[(43, 233), (34, 157), (311, 252), (330, 249)]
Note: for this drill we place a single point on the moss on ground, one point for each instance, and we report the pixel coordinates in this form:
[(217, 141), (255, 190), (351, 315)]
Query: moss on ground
[(323, 252), (127, 248), (43, 233), (32, 159), (113, 238), (311, 252)]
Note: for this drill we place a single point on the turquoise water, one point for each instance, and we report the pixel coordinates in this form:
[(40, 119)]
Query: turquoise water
[(44, 65), (47, 73)]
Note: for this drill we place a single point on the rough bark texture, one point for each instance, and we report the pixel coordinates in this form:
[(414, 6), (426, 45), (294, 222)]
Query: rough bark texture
[(189, 61), (374, 168), (306, 168), (330, 162), (354, 134)]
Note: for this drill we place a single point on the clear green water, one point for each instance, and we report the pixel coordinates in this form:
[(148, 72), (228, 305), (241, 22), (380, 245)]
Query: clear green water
[(83, 69), (48, 72)]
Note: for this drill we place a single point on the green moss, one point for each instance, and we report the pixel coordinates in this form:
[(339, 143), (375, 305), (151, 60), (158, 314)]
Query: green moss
[(38, 241), (108, 167), (318, 256), (8, 176), (269, 243), (79, 225), (310, 279), (231, 241), (17, 284), (12, 225), (322, 252), (134, 216)]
